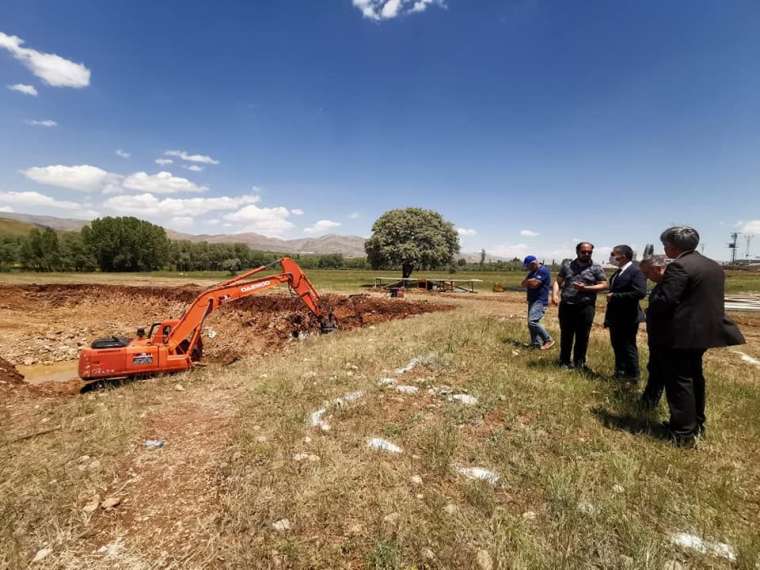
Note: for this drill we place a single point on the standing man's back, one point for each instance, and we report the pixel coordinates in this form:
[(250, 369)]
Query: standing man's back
[(691, 296)]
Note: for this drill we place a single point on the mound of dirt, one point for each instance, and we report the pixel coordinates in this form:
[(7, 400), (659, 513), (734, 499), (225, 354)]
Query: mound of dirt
[(9, 376), (43, 324)]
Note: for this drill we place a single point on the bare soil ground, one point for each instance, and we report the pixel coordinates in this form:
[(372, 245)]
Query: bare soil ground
[(45, 324)]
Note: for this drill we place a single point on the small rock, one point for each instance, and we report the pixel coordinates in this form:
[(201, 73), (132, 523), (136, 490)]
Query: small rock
[(261, 439), (428, 554), (281, 525), (110, 503), (451, 509), (42, 554), (307, 439), (420, 496), (391, 518), (179, 387), (465, 399), (383, 445), (529, 515), (153, 443), (404, 389), (484, 560), (92, 506), (355, 529), (416, 480), (618, 488), (306, 457)]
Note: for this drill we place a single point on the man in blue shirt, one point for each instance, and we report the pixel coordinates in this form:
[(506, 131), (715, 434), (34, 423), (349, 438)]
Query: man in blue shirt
[(538, 282)]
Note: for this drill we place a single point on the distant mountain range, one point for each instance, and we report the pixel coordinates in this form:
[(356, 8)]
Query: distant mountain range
[(349, 246)]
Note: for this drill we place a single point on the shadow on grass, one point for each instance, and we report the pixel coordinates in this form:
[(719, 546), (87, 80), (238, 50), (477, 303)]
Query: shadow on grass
[(641, 423)]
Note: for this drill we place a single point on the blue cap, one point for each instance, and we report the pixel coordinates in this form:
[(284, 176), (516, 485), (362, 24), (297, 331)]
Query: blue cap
[(528, 260)]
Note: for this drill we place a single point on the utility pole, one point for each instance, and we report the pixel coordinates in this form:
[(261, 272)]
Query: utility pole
[(748, 239), (732, 247)]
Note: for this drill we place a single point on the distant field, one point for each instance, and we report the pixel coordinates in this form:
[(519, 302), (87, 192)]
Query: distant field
[(329, 279)]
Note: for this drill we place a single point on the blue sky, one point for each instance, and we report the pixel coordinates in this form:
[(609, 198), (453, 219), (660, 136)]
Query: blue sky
[(605, 121)]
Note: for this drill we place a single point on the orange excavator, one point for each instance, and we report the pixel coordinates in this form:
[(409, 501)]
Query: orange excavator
[(174, 345)]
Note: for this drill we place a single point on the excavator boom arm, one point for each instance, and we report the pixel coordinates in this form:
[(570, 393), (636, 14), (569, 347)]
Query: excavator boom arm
[(239, 287)]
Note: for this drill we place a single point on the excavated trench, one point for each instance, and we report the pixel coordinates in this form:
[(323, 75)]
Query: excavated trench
[(42, 327)]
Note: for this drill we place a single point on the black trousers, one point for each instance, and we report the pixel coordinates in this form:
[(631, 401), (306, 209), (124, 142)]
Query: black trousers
[(658, 370), (623, 340), (685, 391), (575, 325)]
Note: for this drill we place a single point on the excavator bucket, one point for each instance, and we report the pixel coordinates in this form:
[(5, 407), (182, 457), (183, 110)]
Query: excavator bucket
[(328, 324)]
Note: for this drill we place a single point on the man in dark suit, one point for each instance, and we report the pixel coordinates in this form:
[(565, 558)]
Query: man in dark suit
[(659, 336), (627, 287), (691, 295)]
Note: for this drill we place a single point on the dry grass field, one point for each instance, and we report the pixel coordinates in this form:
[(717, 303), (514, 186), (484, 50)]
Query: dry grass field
[(253, 474)]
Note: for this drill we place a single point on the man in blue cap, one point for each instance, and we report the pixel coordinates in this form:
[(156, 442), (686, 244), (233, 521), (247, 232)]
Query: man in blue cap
[(538, 282)]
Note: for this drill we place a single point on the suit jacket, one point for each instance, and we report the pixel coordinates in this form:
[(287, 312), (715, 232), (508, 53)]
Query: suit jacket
[(659, 326), (627, 290), (691, 295)]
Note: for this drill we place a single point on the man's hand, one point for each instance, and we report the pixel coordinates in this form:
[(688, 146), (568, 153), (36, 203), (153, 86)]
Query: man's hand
[(579, 286), (555, 300)]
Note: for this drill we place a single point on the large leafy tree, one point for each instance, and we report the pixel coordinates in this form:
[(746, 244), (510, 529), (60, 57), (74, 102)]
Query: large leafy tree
[(411, 238), (126, 244)]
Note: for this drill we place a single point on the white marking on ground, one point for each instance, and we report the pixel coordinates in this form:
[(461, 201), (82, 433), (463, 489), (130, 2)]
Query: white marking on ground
[(404, 389), (694, 542), (315, 419), (383, 445), (347, 398), (478, 473), (465, 399), (747, 358)]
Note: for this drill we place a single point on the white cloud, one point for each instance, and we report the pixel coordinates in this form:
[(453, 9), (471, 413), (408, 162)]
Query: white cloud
[(87, 178), (201, 158), (267, 221), (53, 69), (464, 232), (46, 123), (321, 227), (25, 89), (194, 168), (529, 233), (123, 153), (163, 161), (83, 177), (750, 227), (181, 222), (160, 183), (6, 209), (149, 206), (36, 199), (297, 212), (388, 9)]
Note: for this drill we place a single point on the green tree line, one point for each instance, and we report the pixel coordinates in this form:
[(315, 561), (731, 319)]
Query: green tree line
[(129, 244)]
